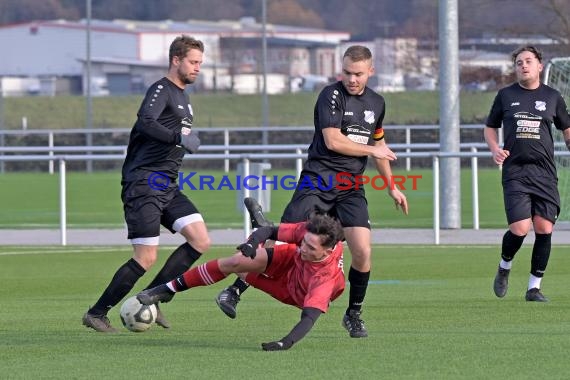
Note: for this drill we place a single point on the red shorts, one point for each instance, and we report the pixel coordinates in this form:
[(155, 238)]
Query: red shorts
[(274, 280)]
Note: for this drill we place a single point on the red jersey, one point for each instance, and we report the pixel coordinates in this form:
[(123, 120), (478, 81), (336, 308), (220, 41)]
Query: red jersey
[(297, 282)]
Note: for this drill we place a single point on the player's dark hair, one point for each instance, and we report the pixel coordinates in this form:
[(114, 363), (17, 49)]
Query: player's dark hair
[(358, 53), (534, 50), (328, 228), (181, 45)]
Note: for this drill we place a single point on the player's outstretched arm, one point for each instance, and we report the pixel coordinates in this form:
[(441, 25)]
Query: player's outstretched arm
[(249, 247), (309, 316)]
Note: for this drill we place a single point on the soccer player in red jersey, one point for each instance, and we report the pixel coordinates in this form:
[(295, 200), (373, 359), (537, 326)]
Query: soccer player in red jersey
[(306, 272)]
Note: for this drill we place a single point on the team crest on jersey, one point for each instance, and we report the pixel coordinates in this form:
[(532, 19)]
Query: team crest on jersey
[(540, 105), (369, 117)]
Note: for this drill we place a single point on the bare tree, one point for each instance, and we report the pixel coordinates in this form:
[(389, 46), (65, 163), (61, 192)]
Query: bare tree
[(518, 18), (12, 11), (557, 23), (290, 12)]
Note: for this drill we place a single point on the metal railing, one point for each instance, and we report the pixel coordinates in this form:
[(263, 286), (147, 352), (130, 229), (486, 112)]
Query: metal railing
[(224, 149), (245, 159), (226, 131)]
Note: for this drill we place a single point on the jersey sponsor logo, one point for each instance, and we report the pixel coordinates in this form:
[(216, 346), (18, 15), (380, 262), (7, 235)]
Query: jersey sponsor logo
[(515, 104), (526, 115), (369, 117), (358, 139), (180, 107), (357, 129), (528, 129), (348, 113), (356, 133), (540, 105), (528, 123)]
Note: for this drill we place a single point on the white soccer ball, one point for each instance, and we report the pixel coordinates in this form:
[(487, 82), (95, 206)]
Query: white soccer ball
[(136, 316)]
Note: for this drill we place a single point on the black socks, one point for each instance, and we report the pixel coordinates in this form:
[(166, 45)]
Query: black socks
[(121, 284), (540, 254), (511, 245), (358, 285), (179, 262)]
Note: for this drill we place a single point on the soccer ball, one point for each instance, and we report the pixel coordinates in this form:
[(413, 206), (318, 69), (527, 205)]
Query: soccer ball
[(136, 316)]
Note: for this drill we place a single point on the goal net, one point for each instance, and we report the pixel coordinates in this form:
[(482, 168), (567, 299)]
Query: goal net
[(557, 75)]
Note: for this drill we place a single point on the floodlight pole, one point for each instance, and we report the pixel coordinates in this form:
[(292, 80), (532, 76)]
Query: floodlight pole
[(89, 99), (265, 99), (449, 114)]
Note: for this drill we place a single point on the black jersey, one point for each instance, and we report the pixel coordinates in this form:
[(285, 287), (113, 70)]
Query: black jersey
[(527, 117), (359, 117), (156, 133)]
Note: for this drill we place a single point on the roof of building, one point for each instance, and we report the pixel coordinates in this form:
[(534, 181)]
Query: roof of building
[(231, 27), (279, 42)]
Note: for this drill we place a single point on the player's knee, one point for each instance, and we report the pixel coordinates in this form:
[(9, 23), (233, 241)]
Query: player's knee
[(361, 260), (201, 244), (361, 254), (146, 261), (233, 264), (519, 230)]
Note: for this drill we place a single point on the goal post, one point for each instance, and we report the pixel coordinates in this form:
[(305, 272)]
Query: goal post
[(557, 75)]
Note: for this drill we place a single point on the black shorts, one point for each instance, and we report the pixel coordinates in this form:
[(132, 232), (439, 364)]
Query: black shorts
[(349, 207), (147, 208), (526, 197)]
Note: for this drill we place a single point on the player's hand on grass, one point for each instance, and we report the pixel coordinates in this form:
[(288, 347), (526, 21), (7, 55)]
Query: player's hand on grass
[(275, 346), (247, 249), (189, 140)]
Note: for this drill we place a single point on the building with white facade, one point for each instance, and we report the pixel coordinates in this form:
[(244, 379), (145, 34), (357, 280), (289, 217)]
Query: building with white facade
[(126, 56)]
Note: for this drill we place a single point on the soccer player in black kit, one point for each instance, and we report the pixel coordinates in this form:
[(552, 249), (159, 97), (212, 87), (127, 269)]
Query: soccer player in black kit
[(527, 110), (348, 129), (158, 142)]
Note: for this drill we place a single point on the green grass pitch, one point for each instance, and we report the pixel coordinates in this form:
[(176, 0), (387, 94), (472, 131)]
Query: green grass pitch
[(430, 312)]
